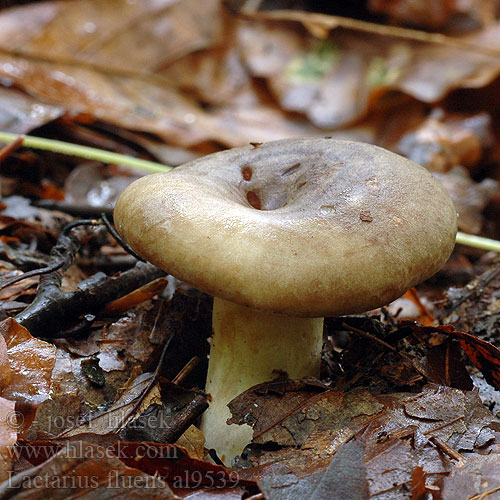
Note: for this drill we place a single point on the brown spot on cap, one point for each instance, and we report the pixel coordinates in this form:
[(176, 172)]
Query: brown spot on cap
[(366, 216), (247, 173), (254, 200)]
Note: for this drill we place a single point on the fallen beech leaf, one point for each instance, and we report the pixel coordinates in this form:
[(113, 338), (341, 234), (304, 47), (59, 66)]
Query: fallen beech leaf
[(475, 308), (85, 471), (5, 372), (31, 361), (470, 197), (484, 355), (174, 465), (396, 440), (418, 490), (120, 412), (288, 412), (477, 478), (344, 478), (337, 80), (444, 141), (428, 14), (444, 365), (21, 113), (9, 425), (162, 31)]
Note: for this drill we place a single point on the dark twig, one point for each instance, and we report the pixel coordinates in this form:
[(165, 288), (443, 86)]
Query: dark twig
[(62, 254), (34, 272), (79, 210), (80, 222), (118, 238), (446, 448), (475, 291), (53, 309)]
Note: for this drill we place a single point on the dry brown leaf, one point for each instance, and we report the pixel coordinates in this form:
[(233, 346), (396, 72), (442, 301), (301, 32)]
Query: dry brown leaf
[(442, 141), (475, 479), (92, 72), (344, 478)]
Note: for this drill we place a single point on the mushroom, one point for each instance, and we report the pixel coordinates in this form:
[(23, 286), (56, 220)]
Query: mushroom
[(283, 234)]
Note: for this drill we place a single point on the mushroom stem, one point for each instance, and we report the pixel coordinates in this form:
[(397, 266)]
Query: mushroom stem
[(247, 346)]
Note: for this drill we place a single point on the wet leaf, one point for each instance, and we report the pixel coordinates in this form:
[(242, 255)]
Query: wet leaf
[(193, 441), (31, 361), (484, 355), (443, 141), (335, 87), (432, 14), (470, 197), (10, 423), (87, 471), (20, 113), (477, 478), (175, 466), (289, 412), (344, 478)]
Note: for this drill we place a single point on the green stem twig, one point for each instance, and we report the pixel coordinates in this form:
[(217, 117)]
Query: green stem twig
[(84, 152), (150, 166), (478, 242)]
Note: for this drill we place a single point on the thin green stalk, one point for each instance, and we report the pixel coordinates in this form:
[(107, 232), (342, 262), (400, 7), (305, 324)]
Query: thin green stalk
[(84, 152), (478, 242), (150, 166)]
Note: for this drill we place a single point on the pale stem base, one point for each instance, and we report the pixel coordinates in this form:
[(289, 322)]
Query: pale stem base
[(247, 346)]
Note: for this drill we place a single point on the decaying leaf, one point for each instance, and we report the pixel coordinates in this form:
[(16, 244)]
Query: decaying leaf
[(470, 197), (475, 479), (31, 362), (344, 478), (289, 412), (87, 471), (175, 466), (484, 355), (335, 80), (10, 423), (444, 141), (397, 438)]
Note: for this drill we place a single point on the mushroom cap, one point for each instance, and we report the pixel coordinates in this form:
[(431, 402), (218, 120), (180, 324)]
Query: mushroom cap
[(302, 227)]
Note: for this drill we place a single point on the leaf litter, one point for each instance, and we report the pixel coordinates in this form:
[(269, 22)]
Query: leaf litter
[(402, 410)]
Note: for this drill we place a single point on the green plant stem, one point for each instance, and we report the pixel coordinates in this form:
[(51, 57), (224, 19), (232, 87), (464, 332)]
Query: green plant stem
[(151, 166), (84, 152), (478, 242)]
